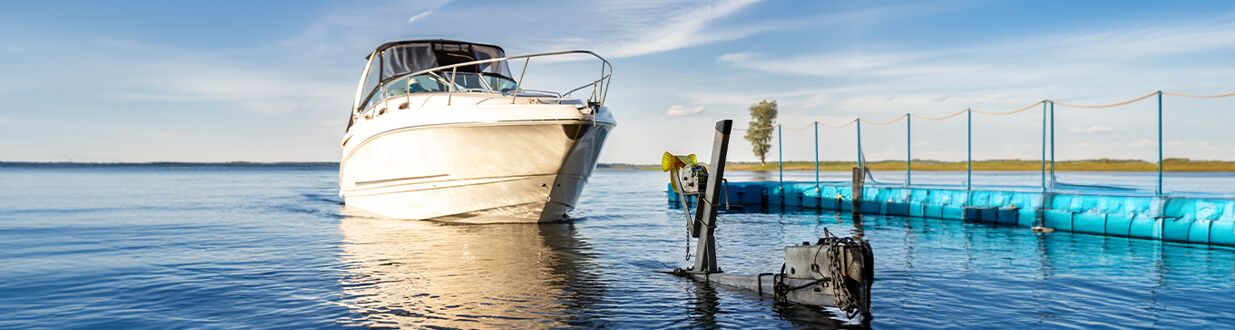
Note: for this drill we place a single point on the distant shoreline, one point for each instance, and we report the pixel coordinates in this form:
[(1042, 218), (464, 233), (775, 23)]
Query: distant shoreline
[(168, 164), (1004, 165), (1091, 165)]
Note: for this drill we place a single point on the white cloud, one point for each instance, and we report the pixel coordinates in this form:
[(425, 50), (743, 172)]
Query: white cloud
[(420, 16), (830, 65), (881, 82), (681, 30), (1098, 129), (1022, 62), (683, 111), (1086, 67), (303, 83), (641, 28)]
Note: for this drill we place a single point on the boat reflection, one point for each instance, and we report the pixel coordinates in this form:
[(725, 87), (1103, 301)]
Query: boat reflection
[(426, 274)]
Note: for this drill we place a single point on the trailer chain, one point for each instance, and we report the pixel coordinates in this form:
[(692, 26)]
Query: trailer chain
[(838, 272)]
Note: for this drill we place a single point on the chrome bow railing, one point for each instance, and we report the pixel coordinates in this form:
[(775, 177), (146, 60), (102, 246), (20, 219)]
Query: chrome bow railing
[(599, 87)]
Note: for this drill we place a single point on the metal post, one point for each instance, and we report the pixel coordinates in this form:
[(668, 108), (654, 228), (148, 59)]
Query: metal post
[(780, 156), (1047, 197), (1052, 187), (599, 85), (860, 160), (519, 83), (706, 248), (385, 101), (454, 73), (969, 150), (816, 155), (1159, 192), (908, 150), (855, 185)]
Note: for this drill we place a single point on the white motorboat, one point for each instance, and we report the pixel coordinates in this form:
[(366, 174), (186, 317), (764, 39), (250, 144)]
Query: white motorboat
[(442, 130)]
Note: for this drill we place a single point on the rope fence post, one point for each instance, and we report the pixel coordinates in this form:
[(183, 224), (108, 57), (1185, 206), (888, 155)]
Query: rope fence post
[(1159, 191), (780, 156), (908, 150), (860, 160), (1052, 186), (816, 156), (969, 149), (1044, 145)]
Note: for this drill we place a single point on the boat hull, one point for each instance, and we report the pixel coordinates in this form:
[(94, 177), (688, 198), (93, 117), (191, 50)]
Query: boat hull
[(495, 172)]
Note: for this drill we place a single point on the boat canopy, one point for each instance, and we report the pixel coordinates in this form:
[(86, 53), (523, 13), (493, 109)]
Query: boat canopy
[(396, 59), (404, 57)]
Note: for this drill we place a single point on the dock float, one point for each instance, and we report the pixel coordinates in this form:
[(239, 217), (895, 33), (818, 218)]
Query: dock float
[(1196, 220)]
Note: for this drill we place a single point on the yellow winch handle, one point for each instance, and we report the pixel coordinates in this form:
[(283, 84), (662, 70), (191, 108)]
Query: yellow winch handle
[(669, 162)]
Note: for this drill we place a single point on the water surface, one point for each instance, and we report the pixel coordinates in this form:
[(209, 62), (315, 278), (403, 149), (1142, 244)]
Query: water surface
[(269, 246)]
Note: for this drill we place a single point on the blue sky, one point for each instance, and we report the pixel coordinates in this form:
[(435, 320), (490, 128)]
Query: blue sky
[(272, 80)]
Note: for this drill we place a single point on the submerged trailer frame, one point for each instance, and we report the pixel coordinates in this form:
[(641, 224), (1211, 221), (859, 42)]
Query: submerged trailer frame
[(839, 278)]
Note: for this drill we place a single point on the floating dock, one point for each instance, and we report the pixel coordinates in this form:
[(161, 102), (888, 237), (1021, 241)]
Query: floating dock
[(1197, 220), (1090, 209)]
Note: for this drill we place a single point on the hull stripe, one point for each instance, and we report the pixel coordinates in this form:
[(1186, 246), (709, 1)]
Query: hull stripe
[(362, 183), (434, 188), (520, 176)]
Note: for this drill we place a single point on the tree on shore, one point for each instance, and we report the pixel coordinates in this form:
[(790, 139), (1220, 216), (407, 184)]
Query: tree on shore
[(759, 133)]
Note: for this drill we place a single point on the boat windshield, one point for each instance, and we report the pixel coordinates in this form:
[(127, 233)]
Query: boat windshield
[(395, 61), (440, 82)]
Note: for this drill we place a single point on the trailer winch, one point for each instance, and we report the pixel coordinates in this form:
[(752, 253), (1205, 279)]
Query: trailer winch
[(834, 272)]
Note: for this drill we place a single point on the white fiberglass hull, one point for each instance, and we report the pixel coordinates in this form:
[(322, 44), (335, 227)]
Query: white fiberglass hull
[(511, 170)]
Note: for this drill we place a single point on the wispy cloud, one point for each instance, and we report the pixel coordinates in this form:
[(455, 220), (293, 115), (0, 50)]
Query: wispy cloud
[(233, 87), (683, 111), (836, 65), (825, 62), (426, 13), (350, 32), (1002, 58), (1097, 129), (655, 27), (420, 16), (1007, 73), (681, 30)]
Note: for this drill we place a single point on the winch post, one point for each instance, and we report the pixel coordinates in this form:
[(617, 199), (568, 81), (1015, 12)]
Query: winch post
[(697, 223), (859, 178), (706, 248)]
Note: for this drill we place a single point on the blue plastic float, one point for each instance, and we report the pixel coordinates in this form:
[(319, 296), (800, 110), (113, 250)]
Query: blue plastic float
[(1174, 219)]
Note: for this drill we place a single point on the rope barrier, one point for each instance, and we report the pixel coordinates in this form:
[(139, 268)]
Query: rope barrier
[(800, 128), (757, 129), (1196, 96), (954, 114), (883, 123), (1103, 106), (1005, 113), (772, 128), (846, 124)]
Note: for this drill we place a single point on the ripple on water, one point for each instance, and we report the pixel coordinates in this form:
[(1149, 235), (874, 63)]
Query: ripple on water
[(177, 248)]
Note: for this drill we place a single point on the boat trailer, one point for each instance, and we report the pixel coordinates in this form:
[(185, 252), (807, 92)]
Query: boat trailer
[(833, 272)]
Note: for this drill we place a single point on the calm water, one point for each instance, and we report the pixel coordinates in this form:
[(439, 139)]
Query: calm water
[(271, 247)]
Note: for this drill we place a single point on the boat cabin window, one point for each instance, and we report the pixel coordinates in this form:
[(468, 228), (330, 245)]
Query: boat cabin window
[(395, 62), (373, 78), (403, 59)]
